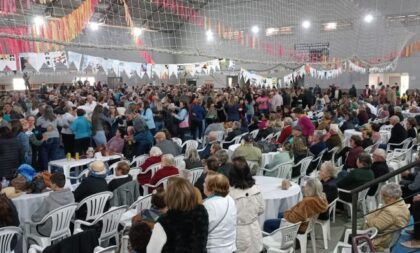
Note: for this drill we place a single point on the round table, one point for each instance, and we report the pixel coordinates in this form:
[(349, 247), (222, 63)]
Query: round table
[(276, 200)]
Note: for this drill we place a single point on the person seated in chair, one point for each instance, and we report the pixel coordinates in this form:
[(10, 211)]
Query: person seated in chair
[(393, 217), (414, 243), (122, 176), (167, 169), (59, 197), (167, 146), (327, 175), (379, 167), (155, 156), (212, 139)]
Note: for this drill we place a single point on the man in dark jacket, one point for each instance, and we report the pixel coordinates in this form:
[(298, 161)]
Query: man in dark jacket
[(11, 153), (167, 146), (356, 177), (379, 168), (352, 91), (398, 132)]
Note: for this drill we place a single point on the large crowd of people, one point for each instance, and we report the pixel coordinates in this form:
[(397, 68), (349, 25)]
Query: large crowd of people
[(220, 212)]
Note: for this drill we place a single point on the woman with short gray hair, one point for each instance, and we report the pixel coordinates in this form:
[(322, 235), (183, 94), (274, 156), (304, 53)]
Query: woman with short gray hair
[(394, 216)]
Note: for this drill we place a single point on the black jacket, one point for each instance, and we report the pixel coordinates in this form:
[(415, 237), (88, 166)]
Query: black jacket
[(88, 187), (398, 134), (117, 182), (331, 193), (379, 169), (185, 231), (11, 156), (83, 242)]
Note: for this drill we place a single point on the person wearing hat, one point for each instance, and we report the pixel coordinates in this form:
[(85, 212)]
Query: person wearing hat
[(92, 184), (248, 150), (10, 215), (167, 146), (299, 148), (59, 197)]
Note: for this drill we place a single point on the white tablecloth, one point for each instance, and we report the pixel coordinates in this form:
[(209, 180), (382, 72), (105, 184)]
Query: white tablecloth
[(67, 165), (349, 133), (276, 199), (27, 204)]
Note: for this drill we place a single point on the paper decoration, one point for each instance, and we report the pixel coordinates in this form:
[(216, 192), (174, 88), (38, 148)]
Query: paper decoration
[(8, 62), (33, 59), (75, 58)]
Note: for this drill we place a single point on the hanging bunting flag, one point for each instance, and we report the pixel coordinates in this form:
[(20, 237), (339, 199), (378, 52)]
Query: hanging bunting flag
[(74, 58), (8, 62)]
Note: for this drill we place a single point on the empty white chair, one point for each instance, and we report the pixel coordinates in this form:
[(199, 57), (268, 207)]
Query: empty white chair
[(59, 218), (84, 174), (282, 238), (163, 182), (283, 170), (190, 144), (143, 202), (326, 224), (110, 221), (95, 204), (303, 238), (6, 237), (360, 200), (137, 161), (110, 249), (371, 232), (304, 164), (194, 174)]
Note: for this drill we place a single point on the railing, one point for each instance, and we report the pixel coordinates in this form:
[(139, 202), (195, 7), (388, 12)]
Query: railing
[(354, 193)]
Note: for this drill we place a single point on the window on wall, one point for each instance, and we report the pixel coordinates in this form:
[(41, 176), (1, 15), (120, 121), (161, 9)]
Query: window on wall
[(18, 84)]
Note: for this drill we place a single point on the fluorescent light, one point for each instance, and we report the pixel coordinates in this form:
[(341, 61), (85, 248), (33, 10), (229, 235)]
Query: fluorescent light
[(93, 26), (306, 24), (271, 31), (38, 20), (255, 29), (209, 35), (331, 26), (137, 31), (368, 18), (19, 84)]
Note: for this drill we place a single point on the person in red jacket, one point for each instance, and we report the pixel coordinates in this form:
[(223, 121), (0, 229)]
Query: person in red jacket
[(286, 132), (167, 169), (155, 157)]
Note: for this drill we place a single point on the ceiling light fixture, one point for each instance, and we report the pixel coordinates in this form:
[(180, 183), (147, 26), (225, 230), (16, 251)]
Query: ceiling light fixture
[(93, 26), (38, 20), (209, 35), (137, 31), (331, 26), (368, 18), (306, 24), (255, 29)]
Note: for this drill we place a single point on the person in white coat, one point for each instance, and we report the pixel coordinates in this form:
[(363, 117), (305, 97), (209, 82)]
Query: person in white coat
[(249, 205), (221, 209)]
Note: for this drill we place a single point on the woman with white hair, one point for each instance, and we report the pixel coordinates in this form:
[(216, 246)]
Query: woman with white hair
[(154, 158), (327, 176), (192, 159), (393, 217), (313, 203)]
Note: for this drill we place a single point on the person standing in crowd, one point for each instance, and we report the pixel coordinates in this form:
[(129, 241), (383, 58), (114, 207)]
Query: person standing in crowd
[(262, 102), (147, 115), (17, 131), (183, 119), (99, 123), (249, 205), (48, 122), (82, 130), (143, 138), (198, 114), (185, 226), (66, 134), (304, 122)]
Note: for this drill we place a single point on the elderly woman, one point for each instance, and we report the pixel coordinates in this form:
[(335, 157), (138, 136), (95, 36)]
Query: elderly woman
[(393, 217), (327, 176), (313, 203), (249, 204), (192, 159), (333, 137), (221, 209), (352, 153), (222, 157), (121, 176), (154, 158), (287, 130), (411, 126)]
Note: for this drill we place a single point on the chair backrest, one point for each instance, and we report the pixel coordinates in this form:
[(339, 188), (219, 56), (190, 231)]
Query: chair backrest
[(164, 181), (254, 133), (276, 135), (284, 170), (6, 237), (142, 203), (331, 207), (406, 143), (139, 160), (178, 160), (286, 235), (269, 137), (177, 141), (195, 174), (362, 194), (95, 204), (254, 166), (153, 168), (110, 221), (134, 172), (318, 160), (333, 152), (220, 135), (304, 164), (110, 249), (236, 139), (60, 221), (386, 128), (190, 144)]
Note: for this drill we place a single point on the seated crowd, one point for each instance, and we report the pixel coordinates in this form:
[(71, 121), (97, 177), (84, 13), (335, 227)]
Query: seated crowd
[(220, 211)]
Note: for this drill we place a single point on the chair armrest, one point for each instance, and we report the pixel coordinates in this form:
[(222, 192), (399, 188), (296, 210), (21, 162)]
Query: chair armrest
[(35, 248), (265, 233), (144, 172), (343, 190), (78, 223)]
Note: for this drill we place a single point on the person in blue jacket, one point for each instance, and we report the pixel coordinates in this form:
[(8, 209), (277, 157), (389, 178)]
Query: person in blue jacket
[(82, 130), (198, 114), (147, 115)]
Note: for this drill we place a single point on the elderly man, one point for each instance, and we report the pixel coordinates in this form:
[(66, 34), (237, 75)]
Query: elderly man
[(398, 132), (212, 139), (379, 167), (167, 146), (248, 150), (393, 217)]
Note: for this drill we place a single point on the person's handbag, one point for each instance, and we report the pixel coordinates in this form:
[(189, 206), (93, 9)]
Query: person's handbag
[(38, 184)]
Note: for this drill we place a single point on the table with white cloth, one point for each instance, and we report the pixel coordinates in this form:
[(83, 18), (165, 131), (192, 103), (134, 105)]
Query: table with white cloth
[(276, 200), (66, 165), (349, 133), (27, 204), (232, 149)]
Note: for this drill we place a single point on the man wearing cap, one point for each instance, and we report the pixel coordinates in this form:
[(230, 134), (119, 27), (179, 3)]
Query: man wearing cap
[(248, 150), (93, 184), (167, 146), (379, 167)]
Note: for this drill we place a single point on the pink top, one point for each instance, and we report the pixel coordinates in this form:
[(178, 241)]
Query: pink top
[(262, 103), (307, 126), (116, 144)]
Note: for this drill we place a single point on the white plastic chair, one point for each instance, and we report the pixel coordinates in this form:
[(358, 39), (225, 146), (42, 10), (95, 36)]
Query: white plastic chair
[(194, 174), (254, 133), (110, 221), (303, 238), (403, 145), (59, 218), (269, 137), (152, 169), (360, 200), (134, 173), (276, 135), (372, 232), (139, 160), (179, 161), (95, 204), (333, 153), (6, 237), (318, 160), (163, 182), (386, 128), (282, 238), (190, 144), (373, 201), (304, 164), (274, 250), (177, 141), (326, 224), (143, 202), (220, 135), (84, 174), (110, 249), (284, 170), (235, 140)]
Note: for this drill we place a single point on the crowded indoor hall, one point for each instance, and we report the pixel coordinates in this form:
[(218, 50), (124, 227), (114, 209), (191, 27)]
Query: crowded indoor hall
[(209, 126)]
